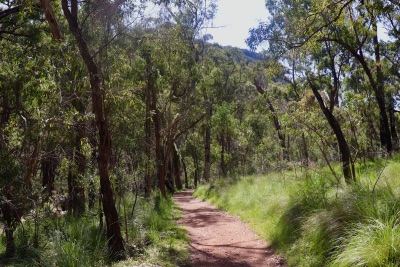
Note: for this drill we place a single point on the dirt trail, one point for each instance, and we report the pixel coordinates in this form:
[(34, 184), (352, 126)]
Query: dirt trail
[(220, 240)]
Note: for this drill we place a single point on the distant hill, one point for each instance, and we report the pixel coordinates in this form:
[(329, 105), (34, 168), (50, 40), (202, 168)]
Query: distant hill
[(241, 53), (252, 55)]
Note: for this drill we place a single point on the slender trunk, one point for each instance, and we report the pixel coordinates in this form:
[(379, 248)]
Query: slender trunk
[(115, 240), (10, 243), (176, 168), (147, 129), (343, 146), (386, 139), (305, 150), (376, 84), (4, 118), (49, 165), (32, 162), (92, 189), (11, 219), (196, 171), (185, 172), (393, 130), (75, 179), (207, 147), (79, 190), (169, 182), (223, 164), (275, 119), (161, 168)]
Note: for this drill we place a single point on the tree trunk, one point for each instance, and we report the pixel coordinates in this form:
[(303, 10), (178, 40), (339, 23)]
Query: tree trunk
[(386, 139), (115, 240), (393, 130), (196, 170), (185, 172), (223, 163), (160, 159), (147, 130), (343, 146), (11, 218), (10, 243), (49, 165), (275, 119), (80, 162), (76, 190), (305, 150), (176, 168), (93, 144), (51, 19), (207, 147)]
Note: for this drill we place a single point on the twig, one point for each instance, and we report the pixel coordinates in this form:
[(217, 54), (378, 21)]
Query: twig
[(380, 175)]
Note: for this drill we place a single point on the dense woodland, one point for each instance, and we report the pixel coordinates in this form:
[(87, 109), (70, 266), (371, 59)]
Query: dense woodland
[(100, 102)]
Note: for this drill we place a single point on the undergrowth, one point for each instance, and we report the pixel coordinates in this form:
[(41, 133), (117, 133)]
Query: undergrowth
[(314, 221), (150, 231)]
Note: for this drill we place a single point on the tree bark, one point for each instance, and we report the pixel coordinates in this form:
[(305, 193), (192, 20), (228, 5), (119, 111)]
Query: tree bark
[(386, 139), (51, 19), (147, 130), (186, 175), (76, 190), (207, 147), (160, 159), (115, 240), (275, 119), (196, 171), (343, 146), (223, 163), (49, 165), (305, 150), (393, 130), (377, 86), (176, 168)]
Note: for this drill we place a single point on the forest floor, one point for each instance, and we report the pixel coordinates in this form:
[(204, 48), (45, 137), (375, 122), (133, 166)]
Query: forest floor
[(218, 239)]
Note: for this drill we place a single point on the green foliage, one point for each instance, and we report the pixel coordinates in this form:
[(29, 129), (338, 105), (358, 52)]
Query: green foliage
[(10, 170), (153, 238)]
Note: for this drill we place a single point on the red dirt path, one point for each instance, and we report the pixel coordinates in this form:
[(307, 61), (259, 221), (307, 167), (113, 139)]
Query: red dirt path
[(221, 240)]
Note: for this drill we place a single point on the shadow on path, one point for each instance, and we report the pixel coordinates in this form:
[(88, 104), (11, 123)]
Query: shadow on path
[(220, 240)]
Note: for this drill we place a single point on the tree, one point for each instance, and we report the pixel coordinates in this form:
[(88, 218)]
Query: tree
[(350, 24), (115, 239)]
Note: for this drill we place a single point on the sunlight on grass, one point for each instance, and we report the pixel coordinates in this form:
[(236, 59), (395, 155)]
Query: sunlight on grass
[(313, 220), (154, 239)]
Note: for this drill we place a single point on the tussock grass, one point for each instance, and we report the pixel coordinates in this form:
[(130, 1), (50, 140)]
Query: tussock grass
[(157, 239), (313, 220), (152, 238)]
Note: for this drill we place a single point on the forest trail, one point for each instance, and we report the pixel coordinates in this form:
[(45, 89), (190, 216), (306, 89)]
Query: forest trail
[(221, 240)]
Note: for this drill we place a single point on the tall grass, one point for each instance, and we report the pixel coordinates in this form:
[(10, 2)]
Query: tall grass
[(314, 221), (155, 236), (152, 237)]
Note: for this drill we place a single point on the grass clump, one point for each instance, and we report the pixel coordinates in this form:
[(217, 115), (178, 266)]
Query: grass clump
[(314, 221), (155, 238), (151, 233), (372, 243)]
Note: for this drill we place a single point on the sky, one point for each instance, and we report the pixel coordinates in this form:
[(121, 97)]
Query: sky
[(234, 19)]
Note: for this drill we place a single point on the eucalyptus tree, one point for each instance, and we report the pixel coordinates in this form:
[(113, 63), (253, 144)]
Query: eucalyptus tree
[(353, 25), (84, 19), (192, 17), (331, 63), (173, 50)]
